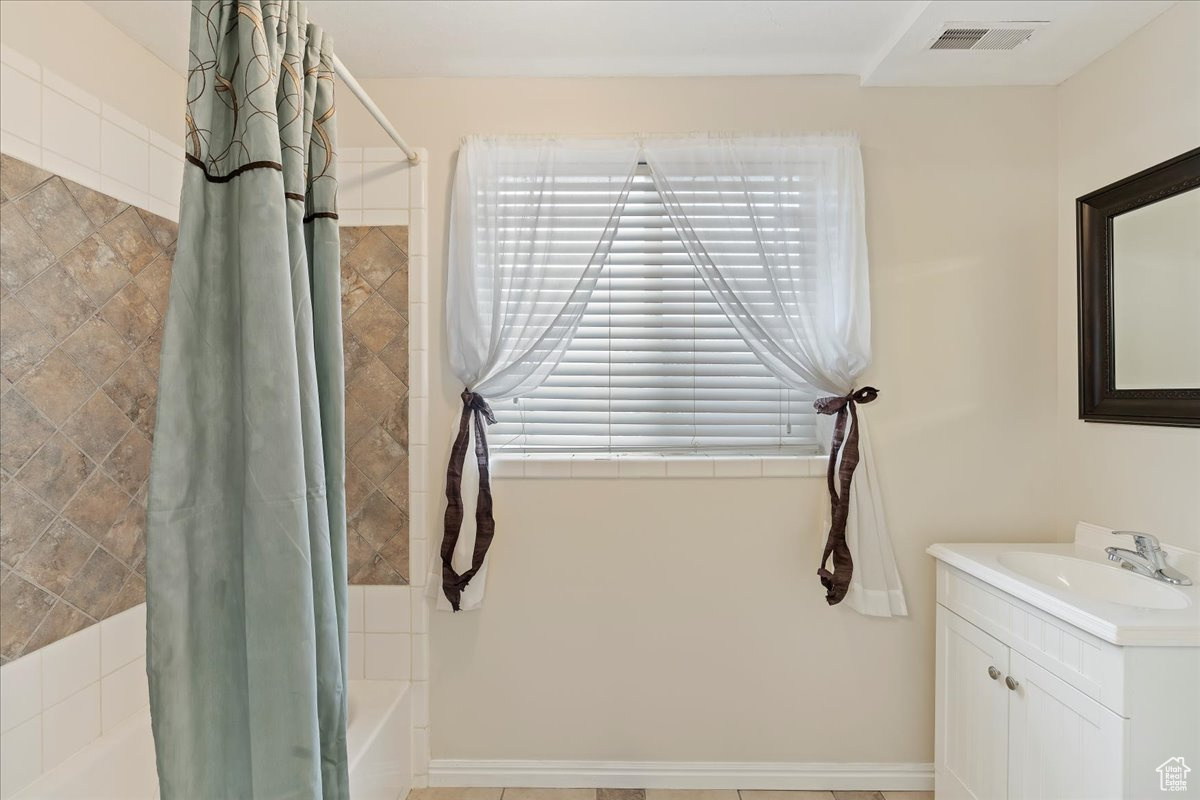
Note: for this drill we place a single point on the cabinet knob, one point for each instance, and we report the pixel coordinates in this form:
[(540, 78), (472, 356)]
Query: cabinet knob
[(1011, 683), (993, 673)]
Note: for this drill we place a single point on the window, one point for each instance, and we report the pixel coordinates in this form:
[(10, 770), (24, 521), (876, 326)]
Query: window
[(655, 365)]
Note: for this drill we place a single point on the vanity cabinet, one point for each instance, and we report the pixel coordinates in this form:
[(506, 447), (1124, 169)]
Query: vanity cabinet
[(1029, 706), (1060, 743), (972, 711)]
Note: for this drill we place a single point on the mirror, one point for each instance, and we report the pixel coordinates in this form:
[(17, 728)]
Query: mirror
[(1139, 297), (1156, 294)]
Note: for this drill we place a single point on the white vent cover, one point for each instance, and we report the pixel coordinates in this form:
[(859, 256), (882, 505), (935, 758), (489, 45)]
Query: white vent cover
[(983, 35)]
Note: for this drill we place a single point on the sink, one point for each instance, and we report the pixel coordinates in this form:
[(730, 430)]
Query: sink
[(1095, 581)]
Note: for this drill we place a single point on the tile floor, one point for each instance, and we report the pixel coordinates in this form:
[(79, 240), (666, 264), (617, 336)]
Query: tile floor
[(442, 793)]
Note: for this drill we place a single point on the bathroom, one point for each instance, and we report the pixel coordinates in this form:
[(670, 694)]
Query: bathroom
[(650, 622)]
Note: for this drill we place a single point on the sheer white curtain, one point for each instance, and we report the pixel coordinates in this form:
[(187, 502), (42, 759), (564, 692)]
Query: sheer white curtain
[(776, 229), (797, 292), (522, 264)]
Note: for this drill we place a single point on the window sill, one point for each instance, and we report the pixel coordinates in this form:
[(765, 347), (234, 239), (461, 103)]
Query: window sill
[(506, 466)]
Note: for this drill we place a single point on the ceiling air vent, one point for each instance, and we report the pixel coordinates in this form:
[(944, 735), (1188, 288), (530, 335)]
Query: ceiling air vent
[(984, 36), (959, 38)]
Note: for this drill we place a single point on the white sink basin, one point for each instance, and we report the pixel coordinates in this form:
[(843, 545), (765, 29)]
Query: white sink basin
[(1094, 581)]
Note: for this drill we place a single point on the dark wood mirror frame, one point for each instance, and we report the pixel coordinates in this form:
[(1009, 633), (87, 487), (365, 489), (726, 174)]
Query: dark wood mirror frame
[(1099, 399)]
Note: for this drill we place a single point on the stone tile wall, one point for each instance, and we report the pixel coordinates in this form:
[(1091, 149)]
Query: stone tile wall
[(375, 338), (83, 288)]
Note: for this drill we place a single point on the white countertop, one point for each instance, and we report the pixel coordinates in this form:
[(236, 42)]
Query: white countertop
[(1117, 623)]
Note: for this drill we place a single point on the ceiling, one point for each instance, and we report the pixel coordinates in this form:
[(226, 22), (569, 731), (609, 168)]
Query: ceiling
[(884, 42)]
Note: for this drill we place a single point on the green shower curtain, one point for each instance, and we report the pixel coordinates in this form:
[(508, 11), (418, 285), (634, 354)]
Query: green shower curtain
[(246, 536)]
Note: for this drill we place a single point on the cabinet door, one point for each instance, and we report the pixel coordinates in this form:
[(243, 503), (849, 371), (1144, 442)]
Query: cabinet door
[(1062, 744), (971, 727)]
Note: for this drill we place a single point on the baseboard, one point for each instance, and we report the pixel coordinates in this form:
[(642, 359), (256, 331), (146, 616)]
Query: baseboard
[(681, 775)]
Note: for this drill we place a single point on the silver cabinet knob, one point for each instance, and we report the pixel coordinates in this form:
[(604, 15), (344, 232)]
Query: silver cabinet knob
[(993, 673), (1011, 683)]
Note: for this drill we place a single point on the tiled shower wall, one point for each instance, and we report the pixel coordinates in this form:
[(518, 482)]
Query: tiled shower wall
[(48, 121), (79, 334), (84, 280), (58, 698), (375, 347), (382, 201)]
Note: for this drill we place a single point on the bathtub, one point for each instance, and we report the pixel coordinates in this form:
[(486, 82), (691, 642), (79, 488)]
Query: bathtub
[(120, 764)]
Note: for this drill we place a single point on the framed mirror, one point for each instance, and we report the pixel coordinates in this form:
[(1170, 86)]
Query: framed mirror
[(1139, 297)]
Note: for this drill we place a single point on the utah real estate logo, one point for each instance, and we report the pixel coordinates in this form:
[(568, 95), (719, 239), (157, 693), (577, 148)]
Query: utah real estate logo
[(1172, 775)]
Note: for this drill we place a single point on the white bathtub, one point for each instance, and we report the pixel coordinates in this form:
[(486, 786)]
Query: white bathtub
[(120, 764)]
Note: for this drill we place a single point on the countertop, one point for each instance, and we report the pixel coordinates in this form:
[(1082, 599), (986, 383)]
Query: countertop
[(1114, 622)]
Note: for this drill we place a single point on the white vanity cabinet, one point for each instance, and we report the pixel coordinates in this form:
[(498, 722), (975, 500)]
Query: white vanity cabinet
[(1060, 743), (1029, 706)]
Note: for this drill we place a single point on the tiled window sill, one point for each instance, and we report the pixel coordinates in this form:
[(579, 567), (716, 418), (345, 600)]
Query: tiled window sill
[(594, 465)]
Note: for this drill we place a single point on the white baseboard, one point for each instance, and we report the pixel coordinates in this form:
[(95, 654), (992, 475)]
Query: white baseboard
[(681, 775)]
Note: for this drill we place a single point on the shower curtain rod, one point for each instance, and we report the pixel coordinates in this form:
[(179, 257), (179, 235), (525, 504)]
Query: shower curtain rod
[(353, 85)]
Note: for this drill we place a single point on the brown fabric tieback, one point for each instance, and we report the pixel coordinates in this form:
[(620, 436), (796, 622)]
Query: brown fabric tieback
[(837, 582), (485, 527)]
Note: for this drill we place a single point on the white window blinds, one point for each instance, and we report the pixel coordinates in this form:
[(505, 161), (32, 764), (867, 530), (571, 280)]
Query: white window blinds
[(656, 365)]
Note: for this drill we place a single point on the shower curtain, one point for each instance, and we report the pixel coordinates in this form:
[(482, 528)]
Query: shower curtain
[(246, 565)]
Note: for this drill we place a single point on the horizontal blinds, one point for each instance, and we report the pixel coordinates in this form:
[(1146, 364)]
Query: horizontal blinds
[(656, 364)]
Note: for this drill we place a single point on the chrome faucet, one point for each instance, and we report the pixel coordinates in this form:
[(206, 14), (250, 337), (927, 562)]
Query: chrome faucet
[(1149, 560)]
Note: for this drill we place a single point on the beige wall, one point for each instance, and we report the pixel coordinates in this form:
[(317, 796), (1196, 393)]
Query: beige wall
[(681, 619), (1132, 108), (71, 39)]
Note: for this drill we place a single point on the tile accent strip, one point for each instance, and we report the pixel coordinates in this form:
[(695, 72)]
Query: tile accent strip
[(53, 124), (641, 465)]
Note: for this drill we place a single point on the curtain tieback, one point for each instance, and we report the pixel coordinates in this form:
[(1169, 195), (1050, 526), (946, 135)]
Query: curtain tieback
[(843, 458), (453, 584)]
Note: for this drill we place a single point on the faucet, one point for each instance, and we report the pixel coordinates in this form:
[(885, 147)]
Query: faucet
[(1149, 559)]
